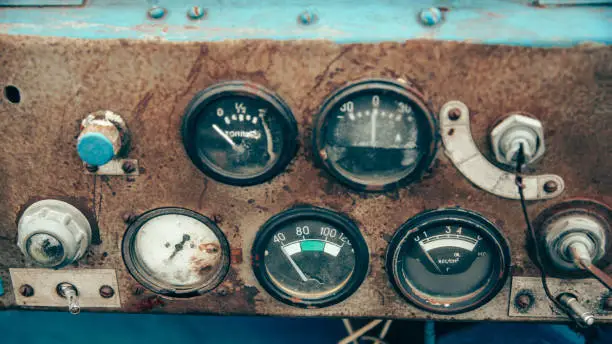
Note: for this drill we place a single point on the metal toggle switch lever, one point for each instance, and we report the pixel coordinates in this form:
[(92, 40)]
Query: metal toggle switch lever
[(69, 291), (584, 316)]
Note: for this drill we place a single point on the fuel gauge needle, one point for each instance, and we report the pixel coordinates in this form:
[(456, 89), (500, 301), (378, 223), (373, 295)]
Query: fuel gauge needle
[(227, 138), (295, 266), (430, 258)]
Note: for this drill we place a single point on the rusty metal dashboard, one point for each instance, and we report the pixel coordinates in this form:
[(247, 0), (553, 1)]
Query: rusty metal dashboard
[(300, 177)]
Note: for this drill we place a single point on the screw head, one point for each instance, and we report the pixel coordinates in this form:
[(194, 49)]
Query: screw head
[(91, 168), (551, 186), (107, 291), (430, 16), (156, 12), (128, 167), (454, 114), (129, 217), (26, 290), (196, 12), (307, 18)]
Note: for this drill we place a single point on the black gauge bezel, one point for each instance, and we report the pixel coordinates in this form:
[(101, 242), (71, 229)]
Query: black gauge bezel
[(242, 89), (159, 287), (449, 216), (342, 223), (426, 123)]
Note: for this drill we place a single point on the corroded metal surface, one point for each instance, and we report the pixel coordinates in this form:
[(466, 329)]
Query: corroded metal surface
[(149, 84)]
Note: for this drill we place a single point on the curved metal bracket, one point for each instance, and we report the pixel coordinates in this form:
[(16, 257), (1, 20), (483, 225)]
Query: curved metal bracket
[(461, 149)]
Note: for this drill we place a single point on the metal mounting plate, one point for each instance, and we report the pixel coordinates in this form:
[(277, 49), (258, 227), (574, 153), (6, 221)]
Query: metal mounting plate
[(461, 149), (45, 281), (590, 293)]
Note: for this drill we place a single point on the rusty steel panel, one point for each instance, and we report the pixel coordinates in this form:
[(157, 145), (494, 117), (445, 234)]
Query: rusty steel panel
[(149, 84)]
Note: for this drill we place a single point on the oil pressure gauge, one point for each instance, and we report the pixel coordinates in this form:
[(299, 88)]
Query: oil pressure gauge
[(239, 133), (448, 261), (176, 252), (310, 257), (375, 135)]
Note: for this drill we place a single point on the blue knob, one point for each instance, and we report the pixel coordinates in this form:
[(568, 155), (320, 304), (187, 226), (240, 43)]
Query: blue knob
[(95, 149)]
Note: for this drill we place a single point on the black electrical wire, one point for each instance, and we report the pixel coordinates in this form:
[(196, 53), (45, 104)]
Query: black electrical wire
[(519, 183)]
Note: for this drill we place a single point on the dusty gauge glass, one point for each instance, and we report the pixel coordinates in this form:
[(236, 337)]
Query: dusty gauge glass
[(310, 257), (239, 133), (448, 261), (176, 252), (375, 135)]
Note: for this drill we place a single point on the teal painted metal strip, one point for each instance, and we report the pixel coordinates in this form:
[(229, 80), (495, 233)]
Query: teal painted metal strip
[(487, 22)]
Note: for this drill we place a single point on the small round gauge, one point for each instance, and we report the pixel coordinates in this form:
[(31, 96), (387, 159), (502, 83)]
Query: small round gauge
[(310, 257), (375, 135), (448, 261), (239, 133), (176, 252)]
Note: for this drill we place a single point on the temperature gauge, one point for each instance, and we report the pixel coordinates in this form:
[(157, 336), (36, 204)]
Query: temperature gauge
[(310, 257), (448, 261), (239, 133), (176, 252), (375, 135)]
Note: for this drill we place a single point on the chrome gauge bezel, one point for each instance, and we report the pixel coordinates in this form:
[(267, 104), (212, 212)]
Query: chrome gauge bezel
[(243, 89), (426, 123), (348, 227), (436, 218), (159, 287)]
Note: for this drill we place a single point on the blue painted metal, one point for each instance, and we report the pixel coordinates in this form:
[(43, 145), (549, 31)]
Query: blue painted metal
[(482, 21), (1, 287)]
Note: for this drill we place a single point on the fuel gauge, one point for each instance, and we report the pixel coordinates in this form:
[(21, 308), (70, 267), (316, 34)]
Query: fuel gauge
[(239, 133)]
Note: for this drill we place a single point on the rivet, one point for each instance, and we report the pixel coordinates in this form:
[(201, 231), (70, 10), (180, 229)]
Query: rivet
[(307, 17), (430, 16), (454, 114), (157, 12), (196, 12)]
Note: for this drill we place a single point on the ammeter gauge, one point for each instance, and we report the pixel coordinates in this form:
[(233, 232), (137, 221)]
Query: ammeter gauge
[(375, 135), (239, 133), (310, 257), (448, 261), (176, 252)]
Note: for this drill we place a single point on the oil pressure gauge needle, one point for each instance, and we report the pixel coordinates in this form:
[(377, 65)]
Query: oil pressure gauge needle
[(227, 138)]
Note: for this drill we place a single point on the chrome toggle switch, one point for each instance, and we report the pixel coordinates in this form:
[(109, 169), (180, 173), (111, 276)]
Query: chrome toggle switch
[(71, 294)]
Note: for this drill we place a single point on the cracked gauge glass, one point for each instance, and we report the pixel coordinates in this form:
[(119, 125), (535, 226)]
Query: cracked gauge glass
[(448, 261), (176, 252), (310, 257), (375, 135), (239, 133)]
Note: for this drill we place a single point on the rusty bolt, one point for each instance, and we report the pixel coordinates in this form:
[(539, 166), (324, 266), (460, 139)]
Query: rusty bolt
[(91, 168), (129, 217), (551, 186), (128, 166), (523, 301), (156, 12), (454, 114), (307, 18), (196, 12), (107, 291), (26, 290)]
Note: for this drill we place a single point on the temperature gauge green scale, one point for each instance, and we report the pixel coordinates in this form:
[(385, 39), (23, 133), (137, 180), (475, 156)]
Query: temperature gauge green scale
[(310, 257)]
